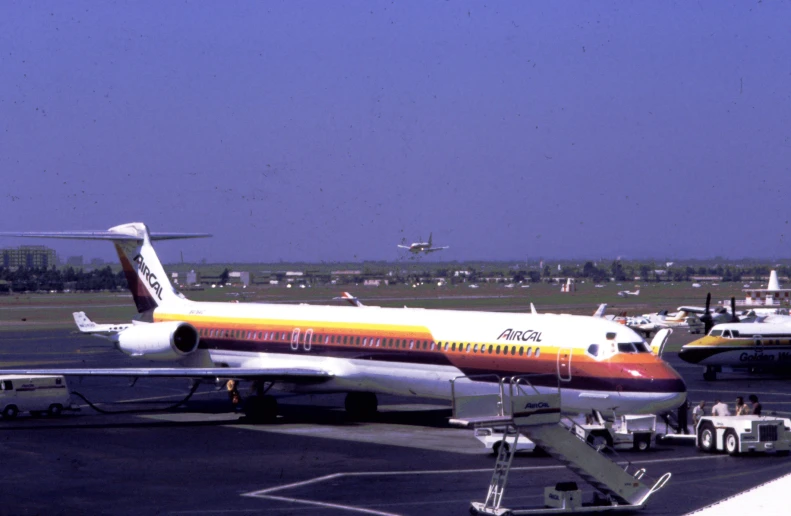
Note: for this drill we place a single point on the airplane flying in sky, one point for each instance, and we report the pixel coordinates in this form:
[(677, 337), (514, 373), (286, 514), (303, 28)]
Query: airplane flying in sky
[(626, 293), (422, 247), (364, 351)]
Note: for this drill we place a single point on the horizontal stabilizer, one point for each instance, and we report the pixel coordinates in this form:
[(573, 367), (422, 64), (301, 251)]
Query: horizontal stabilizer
[(295, 375), (101, 235)]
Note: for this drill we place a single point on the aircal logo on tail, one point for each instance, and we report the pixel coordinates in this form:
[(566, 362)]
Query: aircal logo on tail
[(150, 278)]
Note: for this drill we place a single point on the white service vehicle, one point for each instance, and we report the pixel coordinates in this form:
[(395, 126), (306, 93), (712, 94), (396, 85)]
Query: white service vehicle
[(741, 434), (34, 394), (492, 438), (626, 432)]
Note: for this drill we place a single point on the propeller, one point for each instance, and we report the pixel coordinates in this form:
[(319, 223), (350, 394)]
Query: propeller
[(734, 317), (706, 318)]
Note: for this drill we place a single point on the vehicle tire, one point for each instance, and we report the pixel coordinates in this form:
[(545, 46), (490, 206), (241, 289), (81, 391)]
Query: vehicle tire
[(707, 438), (55, 410), (498, 445), (642, 442), (10, 412), (731, 442)]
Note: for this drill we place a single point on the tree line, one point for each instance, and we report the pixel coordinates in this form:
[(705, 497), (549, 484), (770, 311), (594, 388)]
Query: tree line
[(68, 278)]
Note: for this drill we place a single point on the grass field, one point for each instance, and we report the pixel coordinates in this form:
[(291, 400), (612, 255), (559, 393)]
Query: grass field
[(38, 311)]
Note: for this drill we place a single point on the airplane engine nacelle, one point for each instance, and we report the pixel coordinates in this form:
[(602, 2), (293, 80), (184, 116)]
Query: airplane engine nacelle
[(159, 341)]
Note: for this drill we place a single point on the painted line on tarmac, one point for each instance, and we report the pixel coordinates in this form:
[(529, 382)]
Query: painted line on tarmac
[(267, 494)]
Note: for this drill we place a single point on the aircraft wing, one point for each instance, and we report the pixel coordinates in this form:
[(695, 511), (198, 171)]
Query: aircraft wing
[(289, 375), (404, 246), (432, 249)]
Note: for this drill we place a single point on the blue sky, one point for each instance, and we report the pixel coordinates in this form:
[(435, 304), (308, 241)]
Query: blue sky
[(333, 131)]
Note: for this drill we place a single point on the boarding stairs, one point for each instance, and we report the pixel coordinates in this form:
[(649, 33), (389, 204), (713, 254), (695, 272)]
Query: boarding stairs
[(520, 408)]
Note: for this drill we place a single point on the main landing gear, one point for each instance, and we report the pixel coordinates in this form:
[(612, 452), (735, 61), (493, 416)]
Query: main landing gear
[(261, 407), (710, 374), (361, 405)]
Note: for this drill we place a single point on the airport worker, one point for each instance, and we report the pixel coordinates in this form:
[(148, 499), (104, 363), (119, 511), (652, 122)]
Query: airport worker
[(697, 413), (683, 410), (720, 409), (755, 405), (742, 409), (233, 393)]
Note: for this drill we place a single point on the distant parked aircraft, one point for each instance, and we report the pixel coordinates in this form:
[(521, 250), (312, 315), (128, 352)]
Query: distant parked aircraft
[(422, 247), (626, 293)]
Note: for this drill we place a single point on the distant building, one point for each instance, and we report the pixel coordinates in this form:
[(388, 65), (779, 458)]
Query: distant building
[(74, 261), (28, 256)]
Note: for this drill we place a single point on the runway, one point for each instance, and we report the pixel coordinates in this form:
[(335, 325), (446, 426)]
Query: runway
[(204, 458)]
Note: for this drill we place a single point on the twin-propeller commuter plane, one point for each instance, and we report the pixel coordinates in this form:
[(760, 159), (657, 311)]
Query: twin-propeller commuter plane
[(364, 351)]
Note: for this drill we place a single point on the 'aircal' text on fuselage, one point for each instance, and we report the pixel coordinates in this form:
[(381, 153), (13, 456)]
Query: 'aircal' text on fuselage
[(521, 335)]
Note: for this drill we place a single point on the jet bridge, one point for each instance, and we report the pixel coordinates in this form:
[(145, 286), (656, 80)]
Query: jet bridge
[(520, 408)]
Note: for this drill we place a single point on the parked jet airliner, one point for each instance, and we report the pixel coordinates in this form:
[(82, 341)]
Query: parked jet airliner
[(365, 350)]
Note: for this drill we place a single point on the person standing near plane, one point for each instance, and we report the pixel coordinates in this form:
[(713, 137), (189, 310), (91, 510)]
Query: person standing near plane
[(697, 413), (742, 409), (682, 412), (755, 405), (720, 409)]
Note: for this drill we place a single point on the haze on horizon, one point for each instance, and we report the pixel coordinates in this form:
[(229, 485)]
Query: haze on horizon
[(316, 132)]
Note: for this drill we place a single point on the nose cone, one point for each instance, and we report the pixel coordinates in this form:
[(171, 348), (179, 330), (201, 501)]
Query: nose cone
[(697, 351)]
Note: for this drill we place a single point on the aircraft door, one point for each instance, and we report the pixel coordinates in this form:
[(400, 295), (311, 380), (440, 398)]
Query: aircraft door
[(564, 364)]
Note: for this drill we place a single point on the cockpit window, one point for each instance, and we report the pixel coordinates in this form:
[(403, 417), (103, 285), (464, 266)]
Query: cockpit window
[(715, 333), (642, 347), (593, 349), (626, 347), (726, 334)]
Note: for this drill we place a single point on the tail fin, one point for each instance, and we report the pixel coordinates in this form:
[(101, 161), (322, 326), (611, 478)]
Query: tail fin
[(147, 279), (600, 311), (429, 239)]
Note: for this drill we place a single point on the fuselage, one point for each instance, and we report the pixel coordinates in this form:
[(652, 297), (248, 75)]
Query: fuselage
[(415, 352)]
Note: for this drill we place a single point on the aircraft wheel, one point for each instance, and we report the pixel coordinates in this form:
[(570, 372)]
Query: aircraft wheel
[(10, 412), (710, 375), (731, 442), (361, 405), (55, 410), (261, 409), (706, 438)]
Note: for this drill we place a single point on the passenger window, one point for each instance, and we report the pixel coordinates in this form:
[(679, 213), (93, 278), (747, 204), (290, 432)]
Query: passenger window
[(497, 351), (513, 350), (468, 347), (538, 352), (529, 351), (411, 344), (475, 348), (345, 339), (432, 346), (521, 350), (358, 341), (491, 347)]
